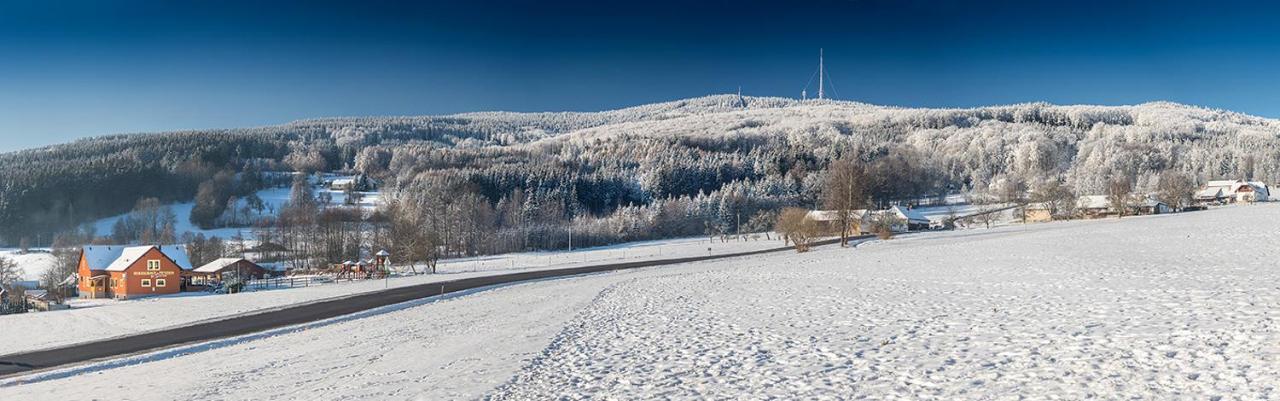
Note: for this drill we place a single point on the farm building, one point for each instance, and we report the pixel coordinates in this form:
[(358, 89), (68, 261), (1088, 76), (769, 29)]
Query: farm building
[(1232, 191), (1038, 212), (911, 219), (1152, 206), (113, 271), (829, 220), (224, 269), (1094, 206), (906, 219), (42, 300)]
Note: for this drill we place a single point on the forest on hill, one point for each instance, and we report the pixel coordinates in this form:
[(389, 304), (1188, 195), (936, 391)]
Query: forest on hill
[(498, 181)]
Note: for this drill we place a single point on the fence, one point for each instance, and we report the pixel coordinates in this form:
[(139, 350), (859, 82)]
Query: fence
[(286, 282)]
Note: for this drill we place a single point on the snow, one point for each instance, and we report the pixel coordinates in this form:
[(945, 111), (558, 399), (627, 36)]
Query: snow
[(272, 198), (33, 264), (1152, 307), (216, 265), (100, 319)]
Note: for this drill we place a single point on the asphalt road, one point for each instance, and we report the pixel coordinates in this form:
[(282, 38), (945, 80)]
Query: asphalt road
[(17, 364)]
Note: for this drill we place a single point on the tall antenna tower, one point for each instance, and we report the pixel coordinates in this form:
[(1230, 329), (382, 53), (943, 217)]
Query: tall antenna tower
[(821, 94), (823, 79)]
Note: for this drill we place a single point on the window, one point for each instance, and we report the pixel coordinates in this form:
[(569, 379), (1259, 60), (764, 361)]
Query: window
[(153, 264), (146, 282), (160, 282)]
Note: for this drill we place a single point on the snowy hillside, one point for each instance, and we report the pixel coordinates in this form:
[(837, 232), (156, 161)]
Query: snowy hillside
[(1154, 307), (272, 198)]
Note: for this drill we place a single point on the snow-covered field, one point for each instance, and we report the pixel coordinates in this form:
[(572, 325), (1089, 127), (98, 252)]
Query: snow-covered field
[(33, 264), (99, 319), (1157, 307)]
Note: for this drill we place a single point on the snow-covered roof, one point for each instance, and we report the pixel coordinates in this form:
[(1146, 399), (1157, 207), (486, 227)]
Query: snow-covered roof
[(1093, 202), (178, 253), (912, 215), (832, 215), (127, 257), (98, 257), (1209, 193), (1222, 183), (219, 264)]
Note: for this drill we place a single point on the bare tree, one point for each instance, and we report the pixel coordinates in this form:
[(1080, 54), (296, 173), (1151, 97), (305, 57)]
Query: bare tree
[(1175, 189), (846, 192), (1119, 191), (1057, 197), (796, 228)]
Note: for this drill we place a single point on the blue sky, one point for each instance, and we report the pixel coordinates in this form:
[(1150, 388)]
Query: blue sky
[(71, 69)]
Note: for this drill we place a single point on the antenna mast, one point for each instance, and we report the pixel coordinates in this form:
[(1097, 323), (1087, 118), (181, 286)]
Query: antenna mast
[(821, 94)]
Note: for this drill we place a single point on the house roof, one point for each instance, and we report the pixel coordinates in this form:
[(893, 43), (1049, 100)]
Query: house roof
[(178, 253), (98, 257), (216, 265), (1093, 202), (127, 257), (912, 215), (37, 294), (1209, 193), (1222, 183), (832, 215)]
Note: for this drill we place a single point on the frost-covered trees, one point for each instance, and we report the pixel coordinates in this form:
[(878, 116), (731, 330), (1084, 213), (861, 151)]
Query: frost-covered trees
[(710, 155)]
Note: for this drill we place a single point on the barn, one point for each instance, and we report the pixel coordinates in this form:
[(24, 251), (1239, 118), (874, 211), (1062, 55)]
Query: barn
[(113, 271)]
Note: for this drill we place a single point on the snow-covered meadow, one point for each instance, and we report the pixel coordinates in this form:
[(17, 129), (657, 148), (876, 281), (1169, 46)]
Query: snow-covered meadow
[(103, 318), (1154, 307)]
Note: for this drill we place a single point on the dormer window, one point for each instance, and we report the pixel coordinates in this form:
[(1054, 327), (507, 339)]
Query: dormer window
[(153, 264)]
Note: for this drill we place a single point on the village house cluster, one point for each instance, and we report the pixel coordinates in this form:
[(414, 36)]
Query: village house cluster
[(123, 272), (903, 218)]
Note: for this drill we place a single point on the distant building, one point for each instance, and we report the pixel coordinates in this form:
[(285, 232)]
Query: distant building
[(910, 219), (42, 300), (1232, 191), (1094, 206), (343, 184), (905, 219), (113, 271), (1038, 212), (1152, 206), (829, 221)]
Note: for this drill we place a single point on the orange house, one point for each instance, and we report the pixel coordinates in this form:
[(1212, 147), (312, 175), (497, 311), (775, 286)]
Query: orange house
[(130, 272)]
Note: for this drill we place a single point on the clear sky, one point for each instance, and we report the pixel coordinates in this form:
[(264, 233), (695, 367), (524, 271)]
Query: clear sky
[(70, 68)]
